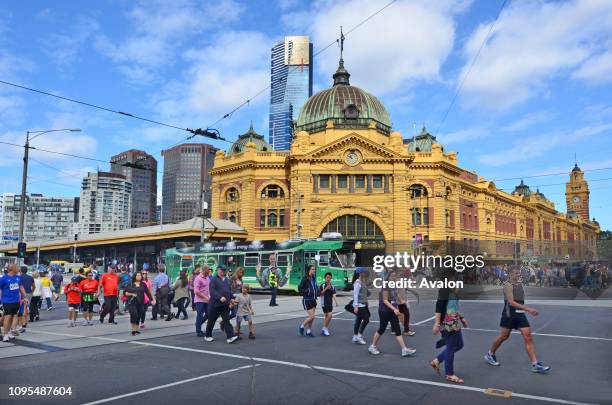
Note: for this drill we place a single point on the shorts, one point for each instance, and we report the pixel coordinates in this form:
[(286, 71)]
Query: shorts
[(519, 321), (88, 306), (10, 308), (309, 304), (327, 309), (74, 307), (245, 317)]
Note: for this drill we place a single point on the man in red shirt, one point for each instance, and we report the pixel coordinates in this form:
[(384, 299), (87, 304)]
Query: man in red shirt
[(89, 288), (109, 282), (73, 298)]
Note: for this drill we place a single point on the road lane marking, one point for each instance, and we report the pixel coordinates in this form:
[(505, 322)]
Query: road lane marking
[(425, 321), (498, 393), (330, 369), (131, 394)]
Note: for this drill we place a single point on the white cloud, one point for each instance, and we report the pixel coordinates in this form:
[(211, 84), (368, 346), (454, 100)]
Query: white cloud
[(63, 49), (596, 70), (240, 70), (464, 135), (527, 148), (406, 42), (158, 28), (528, 120), (532, 43)]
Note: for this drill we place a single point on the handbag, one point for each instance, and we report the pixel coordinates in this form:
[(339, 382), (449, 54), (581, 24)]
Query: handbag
[(349, 307)]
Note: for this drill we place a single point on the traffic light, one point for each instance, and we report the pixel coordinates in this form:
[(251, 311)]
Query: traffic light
[(21, 250)]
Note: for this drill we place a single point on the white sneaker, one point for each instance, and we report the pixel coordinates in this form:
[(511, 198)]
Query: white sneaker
[(5, 338), (232, 339), (361, 340), (22, 330), (208, 339), (85, 323), (11, 336), (373, 350), (408, 352), (355, 339)]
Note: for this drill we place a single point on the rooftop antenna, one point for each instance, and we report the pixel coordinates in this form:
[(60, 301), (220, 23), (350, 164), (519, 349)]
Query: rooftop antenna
[(575, 159), (341, 43)]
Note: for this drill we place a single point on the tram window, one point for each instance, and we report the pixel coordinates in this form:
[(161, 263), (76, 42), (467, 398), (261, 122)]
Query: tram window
[(323, 258), (187, 263), (251, 259), (283, 260)]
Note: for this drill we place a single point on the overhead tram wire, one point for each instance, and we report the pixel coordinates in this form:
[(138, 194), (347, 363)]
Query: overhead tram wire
[(484, 42)]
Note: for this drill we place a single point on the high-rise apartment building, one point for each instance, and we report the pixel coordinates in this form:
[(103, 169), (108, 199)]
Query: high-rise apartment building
[(186, 182), (140, 169), (46, 218), (105, 203), (291, 86)]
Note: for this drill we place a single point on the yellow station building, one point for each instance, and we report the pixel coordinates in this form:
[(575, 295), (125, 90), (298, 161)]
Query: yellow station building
[(348, 171)]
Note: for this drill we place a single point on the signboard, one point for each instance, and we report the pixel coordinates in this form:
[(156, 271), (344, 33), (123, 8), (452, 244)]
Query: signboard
[(297, 50), (9, 237)]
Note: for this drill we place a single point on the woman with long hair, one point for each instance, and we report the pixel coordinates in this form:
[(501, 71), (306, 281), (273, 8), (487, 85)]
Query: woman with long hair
[(360, 305), (310, 292), (388, 313), (147, 302), (36, 298), (181, 294), (448, 323), (236, 290), (135, 294)]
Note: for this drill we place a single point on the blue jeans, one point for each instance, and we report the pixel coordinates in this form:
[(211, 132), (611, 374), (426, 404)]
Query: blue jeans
[(201, 310), (273, 291), (454, 343)]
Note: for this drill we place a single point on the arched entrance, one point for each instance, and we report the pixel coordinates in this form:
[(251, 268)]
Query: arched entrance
[(359, 228)]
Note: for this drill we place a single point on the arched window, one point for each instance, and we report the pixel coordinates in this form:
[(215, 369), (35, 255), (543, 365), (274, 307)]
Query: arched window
[(232, 194), (272, 191), (355, 227), (417, 191)]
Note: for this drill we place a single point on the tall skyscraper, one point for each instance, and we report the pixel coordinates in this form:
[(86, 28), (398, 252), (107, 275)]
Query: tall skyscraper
[(186, 182), (46, 218), (105, 203), (291, 86), (144, 184)]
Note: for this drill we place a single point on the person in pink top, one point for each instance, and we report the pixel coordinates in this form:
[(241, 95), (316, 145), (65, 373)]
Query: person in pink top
[(201, 290), (149, 283)]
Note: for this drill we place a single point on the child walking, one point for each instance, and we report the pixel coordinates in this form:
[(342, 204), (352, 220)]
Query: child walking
[(73, 297), (245, 311)]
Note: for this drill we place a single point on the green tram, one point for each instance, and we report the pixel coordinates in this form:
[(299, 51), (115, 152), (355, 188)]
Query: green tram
[(329, 253)]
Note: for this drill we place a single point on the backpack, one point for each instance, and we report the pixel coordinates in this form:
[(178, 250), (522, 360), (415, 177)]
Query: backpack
[(125, 280)]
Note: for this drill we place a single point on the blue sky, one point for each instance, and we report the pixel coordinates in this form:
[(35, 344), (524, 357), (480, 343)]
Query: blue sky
[(539, 92)]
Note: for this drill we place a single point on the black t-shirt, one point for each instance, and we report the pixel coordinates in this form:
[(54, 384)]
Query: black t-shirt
[(328, 296)]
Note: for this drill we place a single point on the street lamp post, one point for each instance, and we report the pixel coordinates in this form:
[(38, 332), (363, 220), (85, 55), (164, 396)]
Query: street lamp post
[(24, 179)]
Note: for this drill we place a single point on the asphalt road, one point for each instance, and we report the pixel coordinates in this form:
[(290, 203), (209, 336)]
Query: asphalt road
[(280, 367)]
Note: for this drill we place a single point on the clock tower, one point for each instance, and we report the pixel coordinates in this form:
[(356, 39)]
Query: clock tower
[(577, 194)]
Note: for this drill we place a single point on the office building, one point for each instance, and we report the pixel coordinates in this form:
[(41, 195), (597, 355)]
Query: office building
[(186, 181), (291, 86), (46, 218), (105, 203), (140, 169)]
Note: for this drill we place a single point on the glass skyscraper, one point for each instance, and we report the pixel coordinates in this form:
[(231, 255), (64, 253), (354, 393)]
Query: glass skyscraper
[(291, 86)]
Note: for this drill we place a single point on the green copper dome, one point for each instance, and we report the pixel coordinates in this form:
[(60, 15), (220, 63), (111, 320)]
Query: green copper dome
[(251, 136), (347, 106)]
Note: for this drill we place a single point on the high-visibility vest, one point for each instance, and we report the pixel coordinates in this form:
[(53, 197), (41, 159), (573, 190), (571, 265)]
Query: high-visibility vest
[(272, 278)]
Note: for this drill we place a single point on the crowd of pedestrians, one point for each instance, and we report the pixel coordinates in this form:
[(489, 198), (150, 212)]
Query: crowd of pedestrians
[(223, 295)]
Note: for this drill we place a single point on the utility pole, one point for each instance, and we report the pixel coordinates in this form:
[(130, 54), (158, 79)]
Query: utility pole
[(298, 232), (24, 180)]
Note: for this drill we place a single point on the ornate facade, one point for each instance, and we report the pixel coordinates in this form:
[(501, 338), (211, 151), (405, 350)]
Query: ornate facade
[(347, 171)]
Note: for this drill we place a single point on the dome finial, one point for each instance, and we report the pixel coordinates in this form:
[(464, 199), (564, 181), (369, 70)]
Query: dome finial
[(342, 75), (251, 127)]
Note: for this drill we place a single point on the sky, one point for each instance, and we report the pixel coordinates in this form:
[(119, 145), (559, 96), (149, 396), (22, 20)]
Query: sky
[(517, 96)]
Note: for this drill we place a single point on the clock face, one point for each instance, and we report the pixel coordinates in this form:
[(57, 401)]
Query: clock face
[(352, 158), (576, 199)]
